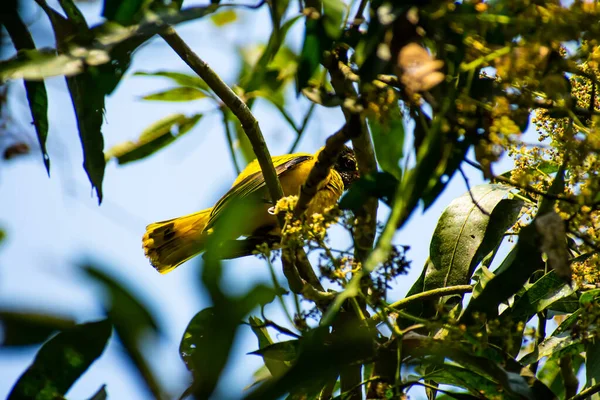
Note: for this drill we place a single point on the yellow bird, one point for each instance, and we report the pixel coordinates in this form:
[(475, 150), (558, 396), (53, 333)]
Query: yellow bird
[(170, 243)]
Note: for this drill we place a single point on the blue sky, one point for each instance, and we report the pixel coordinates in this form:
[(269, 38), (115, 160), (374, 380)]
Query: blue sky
[(52, 224)]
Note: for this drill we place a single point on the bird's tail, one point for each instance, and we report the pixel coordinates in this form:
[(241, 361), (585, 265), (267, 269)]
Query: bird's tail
[(170, 243)]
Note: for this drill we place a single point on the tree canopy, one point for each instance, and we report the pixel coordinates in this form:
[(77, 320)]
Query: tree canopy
[(506, 304)]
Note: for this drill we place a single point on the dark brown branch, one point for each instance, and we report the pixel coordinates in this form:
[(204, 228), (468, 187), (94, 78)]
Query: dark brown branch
[(235, 104)]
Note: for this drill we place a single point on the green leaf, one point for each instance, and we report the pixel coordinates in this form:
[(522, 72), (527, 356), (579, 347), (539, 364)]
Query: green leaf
[(539, 296), (133, 323), (554, 347), (123, 12), (179, 78), (275, 367), (388, 140), (592, 365), (154, 138), (88, 101), (36, 91), (100, 394), (551, 375), (333, 16), (176, 94), (205, 347), (380, 185), (589, 296), (224, 17), (39, 64), (465, 234), (310, 56), (465, 378), (280, 351), (61, 361), (21, 328), (319, 95)]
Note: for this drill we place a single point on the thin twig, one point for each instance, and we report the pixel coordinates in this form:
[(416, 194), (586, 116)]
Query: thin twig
[(230, 142), (235, 104), (483, 211)]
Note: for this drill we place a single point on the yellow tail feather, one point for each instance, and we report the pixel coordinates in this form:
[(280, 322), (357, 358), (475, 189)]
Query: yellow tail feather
[(170, 243)]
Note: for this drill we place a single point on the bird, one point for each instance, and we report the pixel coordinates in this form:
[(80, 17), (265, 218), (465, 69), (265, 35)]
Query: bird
[(170, 243)]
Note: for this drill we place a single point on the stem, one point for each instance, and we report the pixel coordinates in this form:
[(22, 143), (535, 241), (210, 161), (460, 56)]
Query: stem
[(230, 142), (235, 104), (540, 335), (430, 294), (279, 289), (586, 393)]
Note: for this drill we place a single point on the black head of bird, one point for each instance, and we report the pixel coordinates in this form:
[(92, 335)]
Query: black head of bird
[(345, 165)]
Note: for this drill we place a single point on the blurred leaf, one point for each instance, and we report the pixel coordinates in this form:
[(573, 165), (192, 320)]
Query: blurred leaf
[(132, 322), (38, 64), (275, 367), (543, 293), (551, 376), (205, 348), (333, 16), (224, 17), (464, 234), (319, 95), (36, 91), (122, 12), (312, 51), (75, 16), (592, 366), (107, 38), (179, 78), (21, 328), (482, 276), (589, 296), (155, 137), (176, 94), (61, 361), (381, 185), (388, 140), (279, 351), (100, 394)]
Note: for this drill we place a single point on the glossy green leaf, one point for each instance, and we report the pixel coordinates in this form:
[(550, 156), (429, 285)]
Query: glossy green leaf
[(61, 361), (465, 234), (470, 380), (36, 91), (179, 78), (224, 17), (176, 94), (275, 367), (554, 347), (154, 138), (539, 296), (388, 140), (20, 328)]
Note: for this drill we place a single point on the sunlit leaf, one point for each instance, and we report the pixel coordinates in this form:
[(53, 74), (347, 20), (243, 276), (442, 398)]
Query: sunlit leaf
[(333, 16), (39, 64), (465, 234), (176, 94), (224, 17), (61, 361), (154, 138), (179, 78), (36, 91)]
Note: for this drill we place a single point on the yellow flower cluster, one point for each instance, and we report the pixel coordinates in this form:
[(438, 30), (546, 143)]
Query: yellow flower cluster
[(586, 272)]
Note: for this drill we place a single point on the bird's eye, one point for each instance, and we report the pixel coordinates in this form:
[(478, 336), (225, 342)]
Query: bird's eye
[(350, 164)]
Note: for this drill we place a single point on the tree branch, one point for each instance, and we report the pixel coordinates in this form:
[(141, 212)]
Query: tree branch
[(235, 104)]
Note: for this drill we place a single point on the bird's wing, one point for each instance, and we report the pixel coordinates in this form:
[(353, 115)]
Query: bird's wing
[(251, 180)]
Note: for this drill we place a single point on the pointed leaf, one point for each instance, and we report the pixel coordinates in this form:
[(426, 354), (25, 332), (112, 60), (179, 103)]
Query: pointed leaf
[(61, 361), (465, 234), (154, 138), (275, 367), (280, 351), (224, 17), (27, 328), (36, 91), (388, 140), (176, 94), (179, 78)]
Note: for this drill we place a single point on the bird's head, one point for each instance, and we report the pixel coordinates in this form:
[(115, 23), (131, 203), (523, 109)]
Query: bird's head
[(346, 167)]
